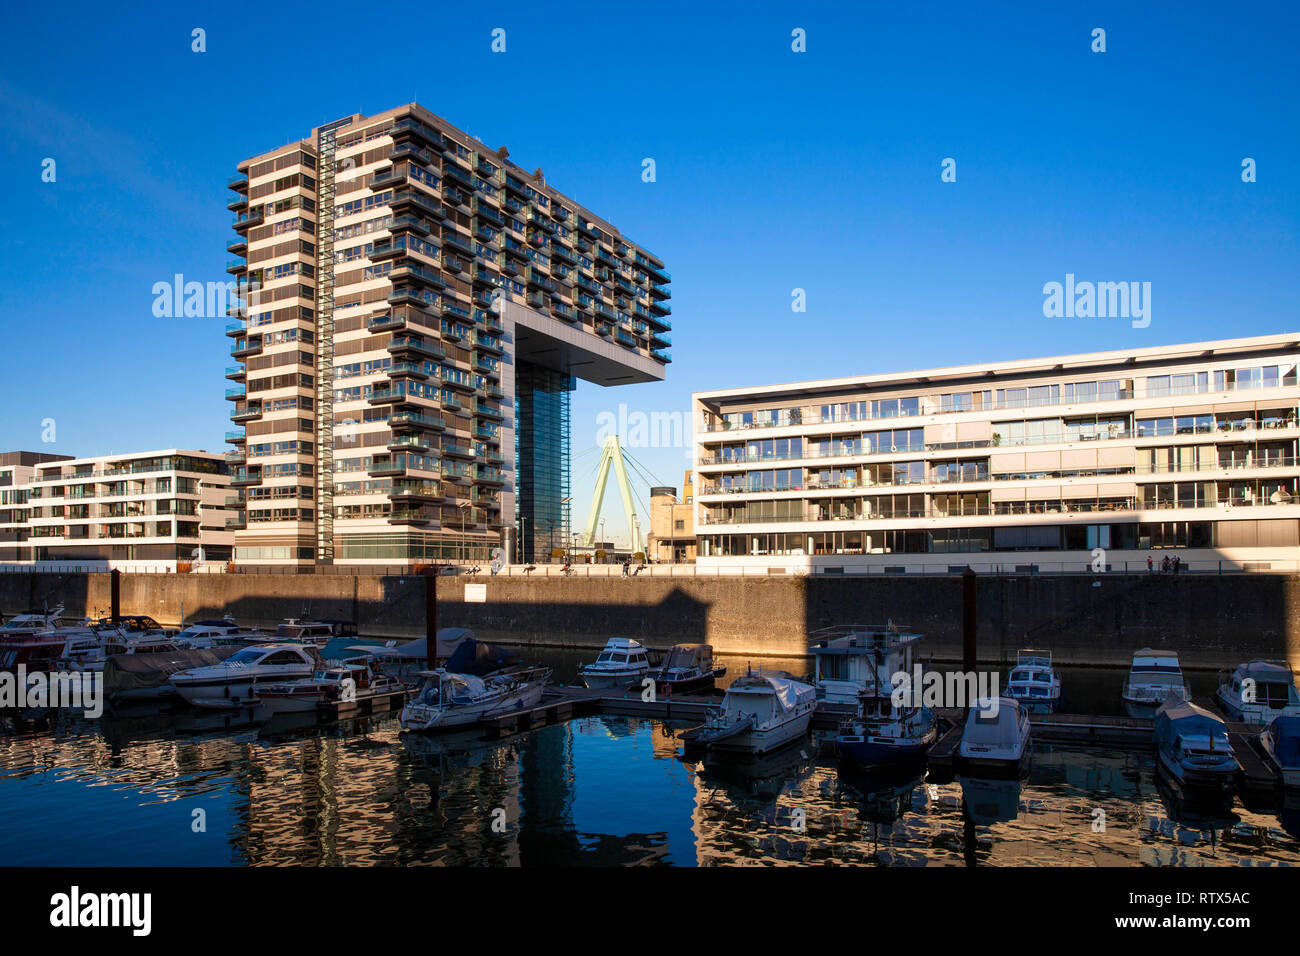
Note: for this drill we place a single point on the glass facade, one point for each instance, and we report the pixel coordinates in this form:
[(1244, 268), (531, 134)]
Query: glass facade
[(541, 460)]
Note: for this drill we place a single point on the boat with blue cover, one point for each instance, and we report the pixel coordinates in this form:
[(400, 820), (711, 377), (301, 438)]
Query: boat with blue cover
[(1193, 749)]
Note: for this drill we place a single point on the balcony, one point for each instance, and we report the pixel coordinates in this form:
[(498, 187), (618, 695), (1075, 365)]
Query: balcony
[(415, 420), (411, 443), (660, 292), (394, 467), (414, 516), (236, 394), (237, 522), (236, 438), (243, 477), (455, 197), (238, 204), (407, 271), (458, 242), (413, 344), (388, 178), (411, 151), (458, 472), (236, 457), (411, 198), (248, 413), (237, 246), (452, 310), (452, 450), (386, 322), (489, 213), (413, 223), (488, 476), (238, 183), (457, 175), (408, 370), (246, 347), (248, 220), (381, 395), (236, 267), (415, 491), (658, 308)]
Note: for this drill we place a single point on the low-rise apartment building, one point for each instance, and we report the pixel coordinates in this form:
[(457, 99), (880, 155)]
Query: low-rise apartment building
[(16, 470), (1067, 463), (156, 510)]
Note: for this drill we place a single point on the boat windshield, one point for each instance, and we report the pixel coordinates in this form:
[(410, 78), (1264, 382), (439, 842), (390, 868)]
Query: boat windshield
[(245, 657)]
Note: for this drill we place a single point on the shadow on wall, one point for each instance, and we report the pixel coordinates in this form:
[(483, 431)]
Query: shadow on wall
[(22, 592), (1210, 620), (545, 614)]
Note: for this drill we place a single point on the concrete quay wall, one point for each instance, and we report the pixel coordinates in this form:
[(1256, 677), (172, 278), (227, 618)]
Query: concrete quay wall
[(1212, 620)]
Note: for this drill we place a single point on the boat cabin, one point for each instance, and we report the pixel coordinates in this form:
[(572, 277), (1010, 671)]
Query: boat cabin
[(852, 661)]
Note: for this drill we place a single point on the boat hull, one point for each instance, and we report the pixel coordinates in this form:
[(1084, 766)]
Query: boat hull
[(1195, 780), (757, 741), (884, 751), (614, 680), (422, 719), (216, 694)]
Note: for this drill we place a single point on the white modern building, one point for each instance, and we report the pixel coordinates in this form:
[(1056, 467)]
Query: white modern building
[(154, 510), (1059, 464)]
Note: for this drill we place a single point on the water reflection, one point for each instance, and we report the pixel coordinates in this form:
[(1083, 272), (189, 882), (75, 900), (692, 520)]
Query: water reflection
[(595, 791)]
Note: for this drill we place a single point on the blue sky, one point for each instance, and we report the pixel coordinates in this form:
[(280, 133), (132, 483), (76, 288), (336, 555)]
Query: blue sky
[(775, 170)]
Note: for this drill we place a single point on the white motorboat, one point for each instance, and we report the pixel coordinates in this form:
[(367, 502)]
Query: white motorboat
[(1034, 683), (318, 632), (995, 739), (222, 633), (852, 660), (232, 682), (1258, 692), (1154, 676), (761, 712), (32, 622), (89, 653), (344, 688), (448, 699), (623, 661)]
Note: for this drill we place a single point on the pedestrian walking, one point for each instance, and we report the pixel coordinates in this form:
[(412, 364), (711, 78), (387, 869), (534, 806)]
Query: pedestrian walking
[(1150, 566)]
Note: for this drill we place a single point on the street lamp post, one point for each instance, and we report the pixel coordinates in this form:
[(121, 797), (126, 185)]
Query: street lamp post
[(464, 545)]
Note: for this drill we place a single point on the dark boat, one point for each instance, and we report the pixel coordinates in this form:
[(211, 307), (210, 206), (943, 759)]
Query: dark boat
[(1193, 749), (687, 669)]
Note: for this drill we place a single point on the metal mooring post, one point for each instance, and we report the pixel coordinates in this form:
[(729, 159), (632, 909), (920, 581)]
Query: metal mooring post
[(431, 616), (115, 593), (968, 652)]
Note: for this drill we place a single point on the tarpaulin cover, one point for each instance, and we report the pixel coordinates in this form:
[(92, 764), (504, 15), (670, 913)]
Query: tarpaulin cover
[(449, 638), (125, 672), (479, 657), (1285, 735)]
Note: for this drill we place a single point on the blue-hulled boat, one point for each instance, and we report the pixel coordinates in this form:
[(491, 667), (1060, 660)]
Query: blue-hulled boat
[(1280, 744), (1193, 748)]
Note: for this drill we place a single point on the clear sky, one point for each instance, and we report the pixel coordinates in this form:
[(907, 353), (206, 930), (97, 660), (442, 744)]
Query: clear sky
[(775, 171)]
